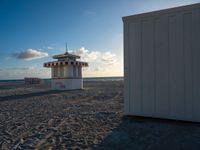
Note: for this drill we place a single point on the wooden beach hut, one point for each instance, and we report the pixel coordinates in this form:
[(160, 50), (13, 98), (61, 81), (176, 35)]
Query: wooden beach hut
[(66, 72), (162, 63)]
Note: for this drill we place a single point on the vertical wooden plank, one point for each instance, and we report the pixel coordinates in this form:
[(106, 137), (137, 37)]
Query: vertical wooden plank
[(187, 47), (176, 66), (180, 106), (148, 67), (161, 48), (173, 56), (126, 70), (131, 39), (196, 63), (135, 54), (131, 42)]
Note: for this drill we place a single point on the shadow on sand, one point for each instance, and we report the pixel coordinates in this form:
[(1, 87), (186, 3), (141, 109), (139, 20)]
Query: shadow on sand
[(23, 96), (140, 133)]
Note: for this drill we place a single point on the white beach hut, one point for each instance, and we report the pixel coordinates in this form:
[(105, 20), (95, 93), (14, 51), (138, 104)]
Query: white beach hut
[(162, 63), (66, 72)]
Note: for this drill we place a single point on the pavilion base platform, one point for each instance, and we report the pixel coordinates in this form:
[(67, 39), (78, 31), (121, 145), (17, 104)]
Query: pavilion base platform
[(67, 84)]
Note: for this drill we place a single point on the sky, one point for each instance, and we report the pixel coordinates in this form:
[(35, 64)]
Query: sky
[(32, 31)]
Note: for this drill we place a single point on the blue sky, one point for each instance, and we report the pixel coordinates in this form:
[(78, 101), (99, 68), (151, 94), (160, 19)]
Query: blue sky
[(92, 28)]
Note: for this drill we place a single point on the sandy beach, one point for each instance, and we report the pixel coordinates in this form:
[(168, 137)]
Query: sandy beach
[(34, 117)]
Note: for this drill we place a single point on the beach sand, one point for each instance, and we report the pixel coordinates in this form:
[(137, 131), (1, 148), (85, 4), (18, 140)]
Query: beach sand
[(34, 117)]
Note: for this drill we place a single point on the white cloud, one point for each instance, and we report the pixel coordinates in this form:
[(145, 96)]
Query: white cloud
[(86, 55), (30, 54), (109, 58), (100, 64)]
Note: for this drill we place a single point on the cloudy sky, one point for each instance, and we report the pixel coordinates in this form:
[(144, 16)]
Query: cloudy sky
[(32, 31)]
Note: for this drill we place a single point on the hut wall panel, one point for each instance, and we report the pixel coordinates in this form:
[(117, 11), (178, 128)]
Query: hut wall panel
[(176, 80), (179, 108), (126, 70), (196, 62), (162, 64), (187, 50), (147, 54), (135, 47)]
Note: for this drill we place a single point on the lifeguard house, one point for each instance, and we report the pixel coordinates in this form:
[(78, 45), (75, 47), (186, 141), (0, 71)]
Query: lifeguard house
[(66, 72)]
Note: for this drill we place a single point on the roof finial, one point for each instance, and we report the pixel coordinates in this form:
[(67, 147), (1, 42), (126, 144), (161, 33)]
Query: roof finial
[(66, 48)]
